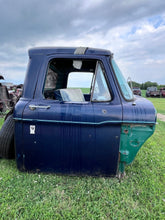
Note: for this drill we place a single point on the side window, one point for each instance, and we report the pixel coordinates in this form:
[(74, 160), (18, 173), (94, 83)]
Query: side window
[(100, 92), (70, 80), (82, 80)]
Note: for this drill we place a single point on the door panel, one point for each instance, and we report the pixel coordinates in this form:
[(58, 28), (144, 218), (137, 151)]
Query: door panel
[(72, 138)]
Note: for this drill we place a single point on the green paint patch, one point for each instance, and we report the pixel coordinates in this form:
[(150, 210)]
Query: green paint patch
[(131, 140)]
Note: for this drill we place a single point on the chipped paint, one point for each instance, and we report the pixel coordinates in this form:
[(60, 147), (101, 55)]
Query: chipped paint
[(132, 138)]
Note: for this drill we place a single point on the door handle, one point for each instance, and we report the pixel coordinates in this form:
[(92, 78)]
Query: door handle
[(33, 107)]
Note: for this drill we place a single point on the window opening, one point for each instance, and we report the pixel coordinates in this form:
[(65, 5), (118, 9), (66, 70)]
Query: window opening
[(75, 80), (68, 74), (100, 91), (80, 80)]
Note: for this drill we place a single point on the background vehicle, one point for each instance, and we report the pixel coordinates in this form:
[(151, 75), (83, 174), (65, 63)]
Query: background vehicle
[(152, 92), (162, 92), (137, 91), (5, 101)]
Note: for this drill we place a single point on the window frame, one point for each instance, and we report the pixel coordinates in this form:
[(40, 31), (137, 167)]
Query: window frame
[(94, 82), (122, 94)]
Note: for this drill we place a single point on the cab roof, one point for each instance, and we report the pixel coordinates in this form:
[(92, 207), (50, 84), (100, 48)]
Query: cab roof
[(69, 50)]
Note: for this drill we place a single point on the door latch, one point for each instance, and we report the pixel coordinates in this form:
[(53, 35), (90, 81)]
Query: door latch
[(33, 107)]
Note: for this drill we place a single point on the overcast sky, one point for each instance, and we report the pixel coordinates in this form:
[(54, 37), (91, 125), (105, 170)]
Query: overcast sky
[(134, 30)]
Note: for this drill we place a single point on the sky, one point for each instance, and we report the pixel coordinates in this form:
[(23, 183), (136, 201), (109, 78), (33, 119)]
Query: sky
[(134, 30)]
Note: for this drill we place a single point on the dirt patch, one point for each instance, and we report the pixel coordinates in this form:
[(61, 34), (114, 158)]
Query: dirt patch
[(161, 117)]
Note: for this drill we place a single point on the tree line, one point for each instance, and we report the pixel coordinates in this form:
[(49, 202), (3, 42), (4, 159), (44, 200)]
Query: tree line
[(146, 85)]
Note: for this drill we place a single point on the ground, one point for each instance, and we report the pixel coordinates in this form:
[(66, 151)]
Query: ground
[(161, 117), (139, 195)]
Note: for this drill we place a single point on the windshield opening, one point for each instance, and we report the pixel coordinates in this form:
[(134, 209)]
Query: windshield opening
[(125, 89)]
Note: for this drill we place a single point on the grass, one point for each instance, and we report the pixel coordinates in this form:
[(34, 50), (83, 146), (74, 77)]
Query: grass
[(1, 122), (85, 90), (143, 93), (159, 104), (140, 195)]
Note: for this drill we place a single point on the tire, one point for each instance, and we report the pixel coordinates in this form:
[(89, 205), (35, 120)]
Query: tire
[(7, 149)]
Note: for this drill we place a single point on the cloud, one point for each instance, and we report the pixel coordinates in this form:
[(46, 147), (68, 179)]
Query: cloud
[(133, 30)]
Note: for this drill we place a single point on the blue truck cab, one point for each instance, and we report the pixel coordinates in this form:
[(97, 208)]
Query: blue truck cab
[(78, 115)]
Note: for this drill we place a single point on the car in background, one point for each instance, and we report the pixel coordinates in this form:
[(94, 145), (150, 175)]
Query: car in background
[(18, 92), (137, 91), (162, 92), (5, 101), (152, 92)]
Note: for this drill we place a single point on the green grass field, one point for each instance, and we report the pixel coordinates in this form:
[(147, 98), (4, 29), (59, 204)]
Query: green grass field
[(143, 93), (159, 104), (140, 195), (1, 122)]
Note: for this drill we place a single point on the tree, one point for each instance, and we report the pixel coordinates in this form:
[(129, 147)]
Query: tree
[(149, 84)]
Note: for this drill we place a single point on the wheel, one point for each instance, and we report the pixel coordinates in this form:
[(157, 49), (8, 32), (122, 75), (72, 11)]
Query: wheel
[(7, 149)]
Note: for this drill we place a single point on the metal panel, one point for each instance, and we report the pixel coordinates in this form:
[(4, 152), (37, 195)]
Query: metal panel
[(132, 138), (68, 139)]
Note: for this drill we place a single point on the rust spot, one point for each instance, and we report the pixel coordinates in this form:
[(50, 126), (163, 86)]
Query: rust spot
[(125, 153), (104, 111), (125, 131)]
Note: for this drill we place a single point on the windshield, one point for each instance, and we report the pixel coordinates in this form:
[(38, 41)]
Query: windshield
[(125, 89), (153, 89)]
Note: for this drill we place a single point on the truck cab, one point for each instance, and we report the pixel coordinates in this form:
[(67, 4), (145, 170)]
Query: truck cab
[(78, 115)]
